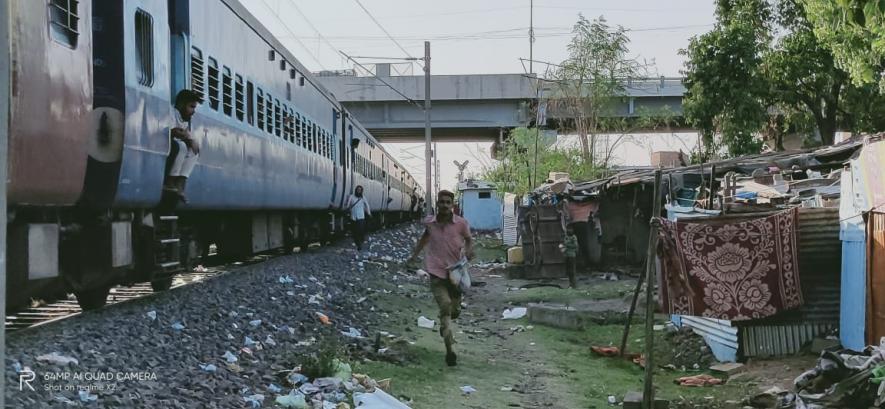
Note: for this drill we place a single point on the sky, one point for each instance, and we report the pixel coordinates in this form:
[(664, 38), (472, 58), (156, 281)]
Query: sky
[(472, 37)]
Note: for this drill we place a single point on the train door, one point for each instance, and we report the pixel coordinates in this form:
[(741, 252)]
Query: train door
[(179, 46), (337, 160)]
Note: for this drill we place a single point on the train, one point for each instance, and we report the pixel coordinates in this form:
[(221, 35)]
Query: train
[(92, 86)]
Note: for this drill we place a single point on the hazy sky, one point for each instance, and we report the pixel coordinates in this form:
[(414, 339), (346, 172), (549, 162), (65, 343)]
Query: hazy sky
[(473, 37)]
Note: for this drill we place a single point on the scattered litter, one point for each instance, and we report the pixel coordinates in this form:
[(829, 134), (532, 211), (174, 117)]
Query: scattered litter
[(343, 371), (286, 280), (467, 389), (87, 397), (208, 367), (699, 380), (254, 400), (360, 301), (235, 326), (292, 400), (309, 389), (290, 293), (506, 389), (352, 333), (66, 401), (229, 357), (248, 341), (274, 388), (515, 313), (255, 323), (152, 315), (296, 378), (323, 318), (58, 359), (612, 400), (200, 269), (605, 351), (270, 341), (424, 322), (381, 351), (233, 314), (377, 400), (177, 326), (17, 366), (315, 299)]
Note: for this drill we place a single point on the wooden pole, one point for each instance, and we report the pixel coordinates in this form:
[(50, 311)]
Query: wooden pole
[(712, 180), (650, 266)]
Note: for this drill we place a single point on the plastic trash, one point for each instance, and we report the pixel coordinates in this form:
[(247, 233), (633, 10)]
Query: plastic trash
[(290, 293), (87, 397), (229, 357), (377, 400), (296, 378), (352, 333), (208, 367), (17, 366), (314, 299), (66, 401), (323, 318), (293, 400), (309, 389), (424, 322), (459, 275), (152, 315), (343, 371), (269, 341), (255, 323), (233, 314), (467, 389), (274, 388), (248, 342), (177, 326), (254, 400), (515, 313), (612, 400), (58, 359), (286, 279)]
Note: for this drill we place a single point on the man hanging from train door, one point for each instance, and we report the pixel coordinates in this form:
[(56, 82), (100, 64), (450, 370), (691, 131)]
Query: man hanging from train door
[(446, 237), (359, 210), (185, 150)]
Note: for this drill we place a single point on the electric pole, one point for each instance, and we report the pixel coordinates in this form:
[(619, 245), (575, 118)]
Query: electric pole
[(428, 156), (436, 167), (5, 18), (531, 34)]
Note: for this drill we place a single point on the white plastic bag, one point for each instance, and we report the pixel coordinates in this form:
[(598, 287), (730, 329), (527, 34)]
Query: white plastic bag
[(458, 274)]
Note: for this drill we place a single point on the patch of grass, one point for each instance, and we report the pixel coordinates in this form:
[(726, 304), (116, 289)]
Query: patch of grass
[(324, 362), (489, 249), (596, 291)]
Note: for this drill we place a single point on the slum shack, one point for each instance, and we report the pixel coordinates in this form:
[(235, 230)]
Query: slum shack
[(802, 187), (480, 205)]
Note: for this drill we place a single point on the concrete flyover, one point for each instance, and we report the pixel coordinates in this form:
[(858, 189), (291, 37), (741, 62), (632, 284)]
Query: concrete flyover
[(467, 107)]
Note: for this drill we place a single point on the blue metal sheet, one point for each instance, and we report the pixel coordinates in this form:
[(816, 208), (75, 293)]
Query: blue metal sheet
[(853, 309)]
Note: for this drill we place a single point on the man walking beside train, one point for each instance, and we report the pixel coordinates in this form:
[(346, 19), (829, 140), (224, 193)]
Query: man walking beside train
[(359, 210), (447, 237), (185, 150)]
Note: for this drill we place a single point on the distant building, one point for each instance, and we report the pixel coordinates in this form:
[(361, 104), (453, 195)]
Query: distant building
[(480, 205)]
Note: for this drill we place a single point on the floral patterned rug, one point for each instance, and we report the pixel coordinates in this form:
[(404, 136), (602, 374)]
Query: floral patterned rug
[(730, 270)]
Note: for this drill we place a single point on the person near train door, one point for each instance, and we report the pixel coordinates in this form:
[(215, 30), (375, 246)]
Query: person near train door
[(359, 211), (184, 148), (446, 237)]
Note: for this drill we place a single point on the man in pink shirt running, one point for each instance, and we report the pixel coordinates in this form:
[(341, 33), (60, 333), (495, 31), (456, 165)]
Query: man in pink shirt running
[(446, 236)]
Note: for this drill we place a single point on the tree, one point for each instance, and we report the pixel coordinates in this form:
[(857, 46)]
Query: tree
[(742, 81), (590, 82), (854, 31), (513, 173), (726, 92)]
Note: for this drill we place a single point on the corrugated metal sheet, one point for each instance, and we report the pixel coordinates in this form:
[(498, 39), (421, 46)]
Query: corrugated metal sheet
[(778, 340), (509, 232), (854, 306)]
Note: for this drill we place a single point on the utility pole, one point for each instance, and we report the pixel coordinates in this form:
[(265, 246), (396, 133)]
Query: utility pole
[(435, 167), (5, 77), (531, 34), (428, 156)]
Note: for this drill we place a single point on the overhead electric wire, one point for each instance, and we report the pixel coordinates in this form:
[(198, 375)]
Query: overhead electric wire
[(383, 29), (307, 20), (407, 98), (294, 37)]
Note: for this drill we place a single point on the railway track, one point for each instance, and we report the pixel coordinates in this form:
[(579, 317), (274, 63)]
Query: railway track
[(45, 313)]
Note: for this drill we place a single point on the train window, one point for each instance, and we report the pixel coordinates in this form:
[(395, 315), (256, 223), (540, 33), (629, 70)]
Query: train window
[(238, 97), (268, 113), (298, 140), (260, 109), (277, 118), (314, 140), (291, 125), (144, 47), (198, 83), (64, 21), (250, 103), (213, 83), (311, 137), (227, 91), (288, 91)]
